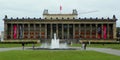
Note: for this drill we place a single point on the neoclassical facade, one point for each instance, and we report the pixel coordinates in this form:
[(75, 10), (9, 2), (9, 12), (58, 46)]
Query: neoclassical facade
[(66, 26)]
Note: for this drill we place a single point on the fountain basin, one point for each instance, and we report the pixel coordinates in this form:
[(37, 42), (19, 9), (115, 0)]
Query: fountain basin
[(71, 48), (55, 45)]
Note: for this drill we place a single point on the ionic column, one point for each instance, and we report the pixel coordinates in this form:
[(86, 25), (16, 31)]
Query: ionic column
[(85, 30), (102, 32), (114, 31), (17, 31), (57, 30), (90, 30), (68, 32), (62, 32), (5, 31), (45, 31), (73, 31), (40, 31), (96, 31), (79, 30), (23, 30), (28, 31), (34, 30), (51, 31), (108, 31), (11, 31)]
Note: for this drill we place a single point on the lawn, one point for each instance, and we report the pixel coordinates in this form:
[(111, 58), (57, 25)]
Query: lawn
[(113, 46), (55, 55), (16, 45)]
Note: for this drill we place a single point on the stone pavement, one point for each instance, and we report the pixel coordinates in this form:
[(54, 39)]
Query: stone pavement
[(106, 50), (8, 49)]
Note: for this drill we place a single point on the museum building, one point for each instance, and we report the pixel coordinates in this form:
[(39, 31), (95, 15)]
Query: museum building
[(66, 26)]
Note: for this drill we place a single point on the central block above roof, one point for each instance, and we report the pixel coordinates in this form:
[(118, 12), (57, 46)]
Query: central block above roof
[(72, 15)]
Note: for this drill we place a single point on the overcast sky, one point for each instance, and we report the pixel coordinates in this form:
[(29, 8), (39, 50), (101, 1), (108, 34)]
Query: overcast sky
[(34, 8)]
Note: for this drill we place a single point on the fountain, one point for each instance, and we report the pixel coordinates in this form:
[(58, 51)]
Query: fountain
[(55, 42), (55, 45)]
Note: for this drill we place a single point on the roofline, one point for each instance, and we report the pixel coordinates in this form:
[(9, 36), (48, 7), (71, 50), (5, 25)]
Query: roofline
[(63, 19)]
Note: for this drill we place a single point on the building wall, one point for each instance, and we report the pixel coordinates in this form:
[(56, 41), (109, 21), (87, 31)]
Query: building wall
[(60, 16), (65, 29)]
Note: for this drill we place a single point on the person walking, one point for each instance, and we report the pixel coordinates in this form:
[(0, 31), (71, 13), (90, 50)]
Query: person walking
[(84, 45), (23, 44)]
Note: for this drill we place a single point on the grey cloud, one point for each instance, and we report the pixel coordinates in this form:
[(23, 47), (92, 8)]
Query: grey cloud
[(34, 8)]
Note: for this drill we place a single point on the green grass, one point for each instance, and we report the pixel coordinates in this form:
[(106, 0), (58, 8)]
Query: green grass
[(113, 46), (16, 45), (55, 55)]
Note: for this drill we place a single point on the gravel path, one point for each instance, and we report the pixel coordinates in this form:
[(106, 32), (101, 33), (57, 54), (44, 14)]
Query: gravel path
[(8, 49), (106, 50)]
